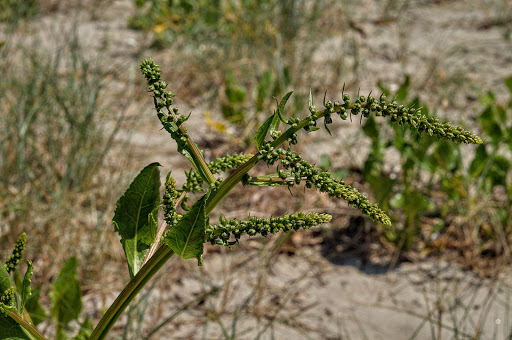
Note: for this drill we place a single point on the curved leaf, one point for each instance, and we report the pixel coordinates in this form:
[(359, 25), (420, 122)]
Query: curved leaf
[(5, 281), (136, 215), (259, 137), (280, 107), (26, 290), (187, 237)]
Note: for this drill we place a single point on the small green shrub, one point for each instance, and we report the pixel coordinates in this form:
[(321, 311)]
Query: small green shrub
[(428, 167), (148, 246)]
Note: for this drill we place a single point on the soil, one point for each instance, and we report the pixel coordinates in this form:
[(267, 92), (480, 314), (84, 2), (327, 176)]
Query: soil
[(302, 288)]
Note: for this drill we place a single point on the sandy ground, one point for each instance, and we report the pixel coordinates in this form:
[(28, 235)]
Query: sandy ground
[(273, 295)]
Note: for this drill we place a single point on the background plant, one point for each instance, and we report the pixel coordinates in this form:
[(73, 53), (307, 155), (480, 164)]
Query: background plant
[(428, 169)]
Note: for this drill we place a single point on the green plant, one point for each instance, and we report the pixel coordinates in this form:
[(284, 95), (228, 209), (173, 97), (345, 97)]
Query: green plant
[(428, 167), (148, 246), (11, 11)]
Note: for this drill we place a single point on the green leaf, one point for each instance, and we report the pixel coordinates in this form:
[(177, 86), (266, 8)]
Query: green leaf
[(136, 215), (479, 161), (508, 82), (259, 137), (311, 105), (234, 91), (11, 330), (402, 92), (280, 107), (272, 123), (26, 290), (66, 295), (186, 239), (86, 329), (448, 155), (263, 90), (370, 129), (497, 173), (5, 281)]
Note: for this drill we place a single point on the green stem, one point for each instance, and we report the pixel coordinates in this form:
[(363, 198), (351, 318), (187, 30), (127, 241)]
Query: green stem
[(27, 326), (229, 183), (162, 255), (196, 153)]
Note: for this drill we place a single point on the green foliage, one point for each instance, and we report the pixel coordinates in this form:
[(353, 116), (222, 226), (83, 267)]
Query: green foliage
[(10, 330), (13, 10), (5, 282), (136, 216), (233, 108), (255, 20), (26, 289), (272, 123), (427, 166), (66, 297), (187, 237)]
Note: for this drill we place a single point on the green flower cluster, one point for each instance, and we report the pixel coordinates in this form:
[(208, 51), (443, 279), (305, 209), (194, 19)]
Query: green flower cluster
[(221, 164), (17, 254), (229, 229), (8, 297), (169, 201), (163, 98), (322, 181), (398, 113)]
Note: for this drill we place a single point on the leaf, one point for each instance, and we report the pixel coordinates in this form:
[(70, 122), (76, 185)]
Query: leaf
[(448, 155), (136, 215), (281, 106), (272, 123), (259, 137), (497, 173), (66, 295), (508, 82), (11, 330), (26, 290), (186, 239), (234, 91), (263, 89), (371, 130), (5, 281), (383, 88), (86, 329), (479, 161), (402, 92), (310, 101)]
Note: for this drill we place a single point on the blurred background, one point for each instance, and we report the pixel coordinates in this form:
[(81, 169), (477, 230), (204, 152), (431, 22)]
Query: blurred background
[(77, 125)]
